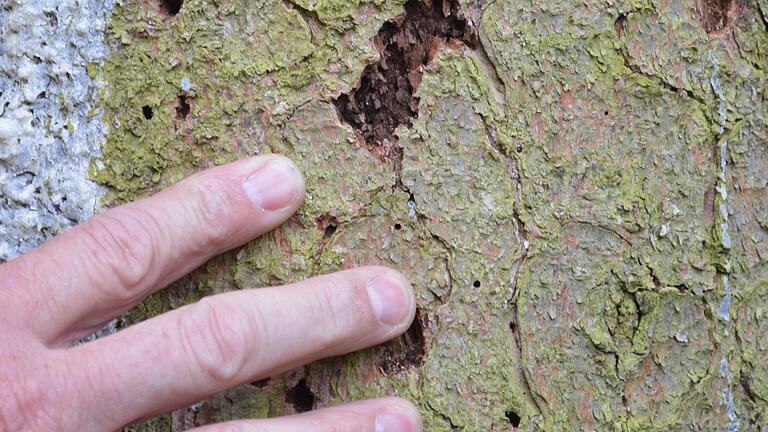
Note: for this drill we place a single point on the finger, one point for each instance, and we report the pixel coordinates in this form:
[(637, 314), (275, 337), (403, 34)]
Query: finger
[(379, 415), (102, 268), (188, 354)]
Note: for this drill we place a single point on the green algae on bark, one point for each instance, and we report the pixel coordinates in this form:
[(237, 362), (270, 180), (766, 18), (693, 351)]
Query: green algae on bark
[(555, 206)]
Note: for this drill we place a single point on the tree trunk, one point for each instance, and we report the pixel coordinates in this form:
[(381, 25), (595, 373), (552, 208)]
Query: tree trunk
[(576, 190)]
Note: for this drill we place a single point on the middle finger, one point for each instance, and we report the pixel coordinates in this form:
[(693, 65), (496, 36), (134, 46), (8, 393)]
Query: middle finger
[(193, 352)]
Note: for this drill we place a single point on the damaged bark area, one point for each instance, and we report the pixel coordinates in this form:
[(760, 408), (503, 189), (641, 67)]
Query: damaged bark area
[(385, 98), (717, 16), (171, 7), (406, 351)]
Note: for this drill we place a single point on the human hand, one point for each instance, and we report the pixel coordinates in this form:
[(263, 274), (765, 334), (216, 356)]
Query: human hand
[(73, 285)]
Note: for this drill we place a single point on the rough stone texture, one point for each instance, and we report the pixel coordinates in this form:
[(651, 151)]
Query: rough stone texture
[(50, 126), (580, 203)]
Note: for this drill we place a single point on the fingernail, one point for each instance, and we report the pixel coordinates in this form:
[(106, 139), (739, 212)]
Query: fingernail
[(388, 300), (394, 422), (274, 186)]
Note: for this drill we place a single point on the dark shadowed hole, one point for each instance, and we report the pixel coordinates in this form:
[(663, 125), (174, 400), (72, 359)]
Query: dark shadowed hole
[(301, 397), (398, 227), (260, 383), (183, 108), (476, 284), (519, 149), (330, 230), (513, 418), (513, 326), (606, 113), (620, 24), (147, 111), (171, 7), (328, 224)]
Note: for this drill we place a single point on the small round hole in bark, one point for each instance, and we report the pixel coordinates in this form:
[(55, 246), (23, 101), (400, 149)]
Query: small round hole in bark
[(171, 7), (147, 111), (398, 227), (519, 149), (182, 108), (513, 417), (476, 284), (330, 230)]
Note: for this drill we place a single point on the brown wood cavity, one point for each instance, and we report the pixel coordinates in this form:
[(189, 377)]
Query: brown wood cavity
[(385, 98)]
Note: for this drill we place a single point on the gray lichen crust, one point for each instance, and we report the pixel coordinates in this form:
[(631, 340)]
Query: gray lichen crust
[(49, 125)]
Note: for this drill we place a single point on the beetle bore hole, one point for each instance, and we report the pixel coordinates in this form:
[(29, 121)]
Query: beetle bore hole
[(182, 108), (476, 284), (147, 111), (398, 227), (330, 230), (513, 418), (171, 7)]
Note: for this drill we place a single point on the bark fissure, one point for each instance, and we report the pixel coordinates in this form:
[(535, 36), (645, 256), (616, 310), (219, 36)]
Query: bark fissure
[(522, 238), (445, 417), (763, 16), (620, 25), (635, 69)]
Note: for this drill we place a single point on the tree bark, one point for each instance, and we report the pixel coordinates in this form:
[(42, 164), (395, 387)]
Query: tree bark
[(577, 191)]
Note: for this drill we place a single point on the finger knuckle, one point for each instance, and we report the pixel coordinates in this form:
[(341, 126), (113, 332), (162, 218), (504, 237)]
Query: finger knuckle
[(123, 243), (25, 404), (218, 339), (212, 210)]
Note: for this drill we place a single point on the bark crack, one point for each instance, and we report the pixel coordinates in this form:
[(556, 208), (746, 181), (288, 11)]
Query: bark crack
[(635, 69), (522, 238), (620, 25), (763, 16), (445, 417)]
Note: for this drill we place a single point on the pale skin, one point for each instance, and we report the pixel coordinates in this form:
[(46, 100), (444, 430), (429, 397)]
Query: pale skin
[(74, 284)]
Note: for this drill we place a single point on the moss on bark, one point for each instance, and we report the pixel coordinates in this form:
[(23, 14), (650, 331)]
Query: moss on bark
[(580, 203)]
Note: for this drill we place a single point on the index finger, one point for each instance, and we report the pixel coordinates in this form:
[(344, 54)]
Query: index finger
[(105, 266)]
